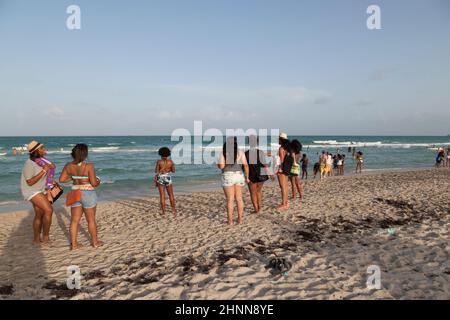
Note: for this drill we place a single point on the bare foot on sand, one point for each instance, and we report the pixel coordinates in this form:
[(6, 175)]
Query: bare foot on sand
[(283, 207), (76, 246), (97, 244), (46, 242)]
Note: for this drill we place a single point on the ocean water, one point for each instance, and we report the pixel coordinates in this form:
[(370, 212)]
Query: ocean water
[(126, 164)]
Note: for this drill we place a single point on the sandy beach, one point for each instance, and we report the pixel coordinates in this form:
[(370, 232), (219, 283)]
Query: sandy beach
[(331, 237)]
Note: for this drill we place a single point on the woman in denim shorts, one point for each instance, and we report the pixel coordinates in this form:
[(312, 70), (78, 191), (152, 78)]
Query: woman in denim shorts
[(84, 179), (231, 162)]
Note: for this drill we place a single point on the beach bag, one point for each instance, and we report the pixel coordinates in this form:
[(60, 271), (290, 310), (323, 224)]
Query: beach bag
[(295, 169), (55, 192), (73, 197)]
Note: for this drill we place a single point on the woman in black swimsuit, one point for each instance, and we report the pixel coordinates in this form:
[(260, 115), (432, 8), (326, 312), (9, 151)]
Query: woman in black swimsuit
[(286, 161), (258, 172)]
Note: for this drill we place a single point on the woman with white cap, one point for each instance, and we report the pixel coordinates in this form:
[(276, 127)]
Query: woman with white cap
[(286, 162), (33, 186)]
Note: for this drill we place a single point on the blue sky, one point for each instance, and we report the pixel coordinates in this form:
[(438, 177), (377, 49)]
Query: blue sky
[(148, 67)]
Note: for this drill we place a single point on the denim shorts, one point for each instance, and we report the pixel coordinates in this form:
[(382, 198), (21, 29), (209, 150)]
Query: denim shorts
[(231, 178), (88, 199)]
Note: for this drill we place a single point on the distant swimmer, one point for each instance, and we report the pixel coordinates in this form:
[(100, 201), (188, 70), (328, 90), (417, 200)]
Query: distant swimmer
[(14, 152), (359, 161)]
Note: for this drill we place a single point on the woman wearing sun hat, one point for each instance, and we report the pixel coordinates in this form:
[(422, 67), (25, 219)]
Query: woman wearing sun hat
[(33, 186), (286, 162)]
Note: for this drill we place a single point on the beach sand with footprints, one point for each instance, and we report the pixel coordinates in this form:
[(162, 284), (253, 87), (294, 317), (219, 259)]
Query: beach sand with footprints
[(331, 238)]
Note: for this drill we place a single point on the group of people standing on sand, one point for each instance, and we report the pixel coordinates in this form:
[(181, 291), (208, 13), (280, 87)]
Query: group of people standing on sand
[(38, 186), (250, 168), (239, 168)]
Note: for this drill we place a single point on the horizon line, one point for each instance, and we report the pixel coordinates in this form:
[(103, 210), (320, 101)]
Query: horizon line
[(168, 135)]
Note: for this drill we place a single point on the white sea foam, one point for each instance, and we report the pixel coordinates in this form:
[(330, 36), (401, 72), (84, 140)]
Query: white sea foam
[(105, 149), (8, 203), (378, 144)]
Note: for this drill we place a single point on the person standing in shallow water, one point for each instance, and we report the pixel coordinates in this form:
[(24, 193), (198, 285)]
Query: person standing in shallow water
[(33, 183), (82, 174), (163, 179), (359, 161)]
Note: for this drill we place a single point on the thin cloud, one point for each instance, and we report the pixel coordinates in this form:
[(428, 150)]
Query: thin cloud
[(55, 113), (381, 74)]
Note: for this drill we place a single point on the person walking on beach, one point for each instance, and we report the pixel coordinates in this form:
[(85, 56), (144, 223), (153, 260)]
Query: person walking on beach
[(33, 187), (231, 162), (258, 172), (286, 162), (304, 161), (316, 169), (359, 161), (163, 179), (296, 147), (83, 197)]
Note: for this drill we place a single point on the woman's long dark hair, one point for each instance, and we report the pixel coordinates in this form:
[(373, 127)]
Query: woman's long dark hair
[(296, 146), (285, 144), (80, 152), (228, 151)]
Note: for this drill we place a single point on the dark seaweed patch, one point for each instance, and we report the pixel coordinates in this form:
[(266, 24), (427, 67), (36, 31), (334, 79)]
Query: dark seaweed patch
[(7, 290), (60, 290)]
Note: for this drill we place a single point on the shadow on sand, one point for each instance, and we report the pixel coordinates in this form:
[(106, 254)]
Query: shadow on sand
[(22, 263)]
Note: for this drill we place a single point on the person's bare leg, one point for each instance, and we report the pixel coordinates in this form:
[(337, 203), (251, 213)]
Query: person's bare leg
[(253, 196), (259, 187), (92, 226), (299, 187), (229, 194), (76, 214), (37, 224), (286, 192), (283, 179), (172, 199), (239, 202), (42, 203), (292, 180), (162, 199)]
